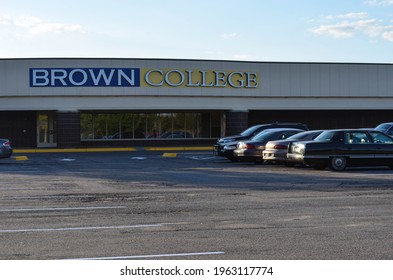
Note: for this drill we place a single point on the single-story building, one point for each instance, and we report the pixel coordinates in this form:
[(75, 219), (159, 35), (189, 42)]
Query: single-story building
[(66, 102)]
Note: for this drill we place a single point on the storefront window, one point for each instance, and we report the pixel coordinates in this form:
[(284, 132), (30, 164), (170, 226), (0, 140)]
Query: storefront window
[(153, 126), (127, 126), (166, 125), (114, 126), (87, 128)]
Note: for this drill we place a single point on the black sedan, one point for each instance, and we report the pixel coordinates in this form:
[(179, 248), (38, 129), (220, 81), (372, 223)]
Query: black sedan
[(341, 148), (252, 150), (5, 148)]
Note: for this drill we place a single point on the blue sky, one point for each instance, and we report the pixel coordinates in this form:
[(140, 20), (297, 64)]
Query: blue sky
[(251, 30)]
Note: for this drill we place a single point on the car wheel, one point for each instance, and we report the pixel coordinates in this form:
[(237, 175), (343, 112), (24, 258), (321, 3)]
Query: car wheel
[(338, 163)]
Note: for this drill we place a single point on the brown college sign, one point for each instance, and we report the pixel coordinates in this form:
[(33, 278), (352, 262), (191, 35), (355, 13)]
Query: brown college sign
[(138, 77)]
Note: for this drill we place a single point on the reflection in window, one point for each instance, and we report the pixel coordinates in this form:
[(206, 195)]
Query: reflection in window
[(87, 127), (357, 138), (148, 125), (380, 138)]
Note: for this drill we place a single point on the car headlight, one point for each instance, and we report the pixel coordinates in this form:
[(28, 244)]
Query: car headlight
[(298, 148), (241, 145)]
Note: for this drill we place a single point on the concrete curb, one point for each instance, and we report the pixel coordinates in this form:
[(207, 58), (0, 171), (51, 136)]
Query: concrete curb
[(126, 149)]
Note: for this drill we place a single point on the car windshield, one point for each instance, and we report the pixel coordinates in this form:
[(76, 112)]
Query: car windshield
[(299, 136), (263, 135), (250, 131), (383, 127), (327, 136)]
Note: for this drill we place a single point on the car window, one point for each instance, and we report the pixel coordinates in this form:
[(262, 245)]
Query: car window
[(381, 138), (263, 135), (305, 135), (251, 130), (333, 136), (356, 138), (383, 127), (288, 134), (299, 136)]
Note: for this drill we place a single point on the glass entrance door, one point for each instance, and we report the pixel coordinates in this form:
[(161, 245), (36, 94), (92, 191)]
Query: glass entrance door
[(46, 133)]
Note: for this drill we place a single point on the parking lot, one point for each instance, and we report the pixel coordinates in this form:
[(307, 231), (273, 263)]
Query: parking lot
[(190, 205)]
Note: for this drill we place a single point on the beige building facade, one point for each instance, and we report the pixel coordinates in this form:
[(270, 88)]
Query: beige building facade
[(116, 102)]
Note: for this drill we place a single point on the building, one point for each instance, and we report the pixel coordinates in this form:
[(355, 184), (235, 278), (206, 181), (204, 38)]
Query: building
[(118, 102)]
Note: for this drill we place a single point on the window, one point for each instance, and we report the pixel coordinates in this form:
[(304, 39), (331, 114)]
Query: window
[(112, 126), (357, 138), (333, 136), (381, 138)]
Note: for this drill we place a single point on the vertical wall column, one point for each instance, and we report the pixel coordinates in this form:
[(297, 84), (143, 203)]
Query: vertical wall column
[(68, 129), (236, 122)]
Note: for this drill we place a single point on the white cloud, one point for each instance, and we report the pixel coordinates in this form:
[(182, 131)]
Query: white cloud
[(372, 27), (340, 30), (355, 23), (31, 26), (228, 35), (379, 2), (349, 16), (388, 36)]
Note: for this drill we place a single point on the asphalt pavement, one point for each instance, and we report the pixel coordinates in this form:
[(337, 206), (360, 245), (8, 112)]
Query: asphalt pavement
[(189, 205)]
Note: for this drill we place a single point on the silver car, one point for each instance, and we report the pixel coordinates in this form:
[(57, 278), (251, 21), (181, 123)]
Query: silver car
[(251, 150)]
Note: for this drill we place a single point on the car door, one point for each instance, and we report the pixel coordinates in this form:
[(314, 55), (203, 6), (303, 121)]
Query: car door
[(383, 144), (359, 148)]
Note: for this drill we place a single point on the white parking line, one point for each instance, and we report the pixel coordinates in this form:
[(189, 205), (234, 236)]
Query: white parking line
[(78, 228), (62, 209), (201, 157), (67, 159), (154, 256)]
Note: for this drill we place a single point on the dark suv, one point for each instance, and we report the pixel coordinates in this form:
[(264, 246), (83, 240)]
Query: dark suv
[(247, 134)]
